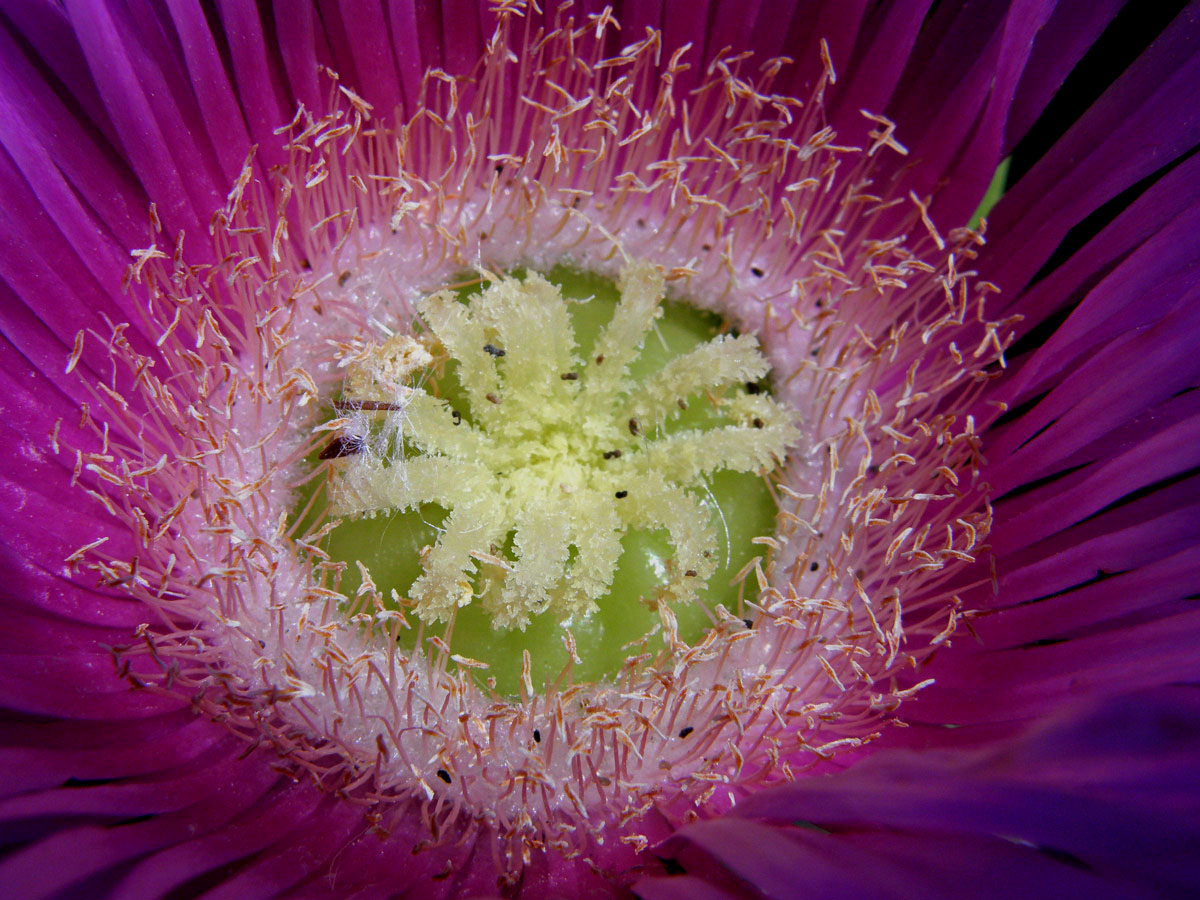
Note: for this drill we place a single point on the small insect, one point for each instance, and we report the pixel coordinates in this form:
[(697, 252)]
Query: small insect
[(635, 427), (444, 775), (342, 446), (621, 495), (672, 866), (684, 732), (493, 350)]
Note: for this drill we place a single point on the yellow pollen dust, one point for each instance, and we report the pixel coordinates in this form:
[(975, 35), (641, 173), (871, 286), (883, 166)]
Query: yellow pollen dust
[(548, 458)]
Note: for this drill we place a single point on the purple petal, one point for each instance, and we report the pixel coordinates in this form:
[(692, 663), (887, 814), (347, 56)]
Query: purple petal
[(259, 84), (886, 41), (1072, 29), (1102, 154), (159, 137), (371, 52), (1061, 813), (214, 94)]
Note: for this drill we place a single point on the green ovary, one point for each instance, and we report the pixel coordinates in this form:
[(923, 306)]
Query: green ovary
[(536, 460)]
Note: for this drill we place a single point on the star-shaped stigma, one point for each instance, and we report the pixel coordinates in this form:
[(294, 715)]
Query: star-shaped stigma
[(545, 459)]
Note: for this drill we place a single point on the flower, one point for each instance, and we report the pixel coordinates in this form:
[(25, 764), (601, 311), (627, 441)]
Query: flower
[(193, 366)]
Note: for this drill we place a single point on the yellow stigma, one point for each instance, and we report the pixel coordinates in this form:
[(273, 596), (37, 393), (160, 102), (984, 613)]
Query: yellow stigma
[(545, 459)]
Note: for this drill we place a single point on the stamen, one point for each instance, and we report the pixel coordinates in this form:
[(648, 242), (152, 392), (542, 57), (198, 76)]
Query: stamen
[(748, 204)]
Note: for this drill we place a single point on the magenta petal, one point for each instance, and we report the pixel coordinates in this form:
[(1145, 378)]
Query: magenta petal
[(310, 850), (37, 119), (45, 25), (635, 20), (46, 867), (463, 35), (258, 82), (957, 61), (270, 820), (1162, 453), (1082, 172), (169, 791), (1088, 402), (692, 29), (796, 30), (1118, 279), (1105, 601), (153, 131), (402, 20), (887, 39), (731, 25), (1072, 29), (43, 267), (26, 768), (1061, 813), (971, 167), (33, 633), (783, 863), (1121, 539), (684, 887), (30, 692), (296, 31), (371, 51), (214, 94)]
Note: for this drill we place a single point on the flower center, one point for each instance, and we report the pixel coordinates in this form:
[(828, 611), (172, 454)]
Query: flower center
[(564, 478), (348, 647)]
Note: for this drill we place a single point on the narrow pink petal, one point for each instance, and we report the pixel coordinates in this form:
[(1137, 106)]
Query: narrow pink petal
[(70, 856), (1117, 279), (972, 171), (257, 80), (402, 21), (1059, 813), (36, 116), (882, 51), (214, 94), (1072, 29), (43, 767), (267, 822), (296, 29), (462, 35), (1120, 539), (1152, 589), (1102, 154), (1159, 455), (45, 25), (308, 851), (153, 131), (1154, 365), (366, 30)]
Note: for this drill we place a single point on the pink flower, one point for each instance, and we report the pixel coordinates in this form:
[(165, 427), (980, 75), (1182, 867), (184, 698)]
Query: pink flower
[(997, 470)]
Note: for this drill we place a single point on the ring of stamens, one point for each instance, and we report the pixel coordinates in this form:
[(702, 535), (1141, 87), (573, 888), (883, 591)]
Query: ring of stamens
[(875, 329)]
